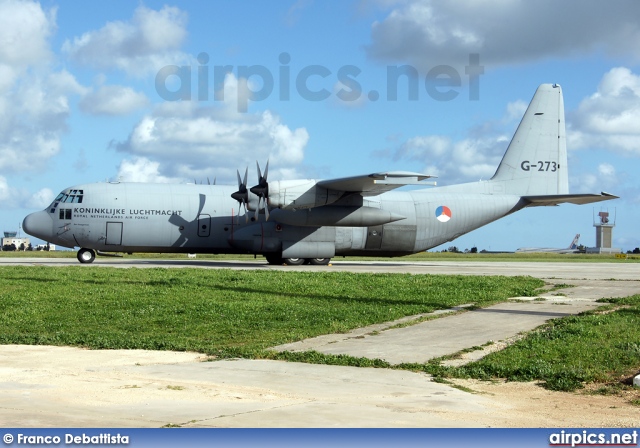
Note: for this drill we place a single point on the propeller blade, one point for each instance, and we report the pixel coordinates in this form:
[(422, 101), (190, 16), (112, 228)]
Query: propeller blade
[(259, 173), (262, 189), (242, 196), (203, 199)]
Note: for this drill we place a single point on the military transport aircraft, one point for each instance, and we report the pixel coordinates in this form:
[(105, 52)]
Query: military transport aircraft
[(298, 221)]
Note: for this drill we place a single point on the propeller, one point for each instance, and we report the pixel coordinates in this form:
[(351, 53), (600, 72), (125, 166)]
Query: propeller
[(242, 195), (262, 189)]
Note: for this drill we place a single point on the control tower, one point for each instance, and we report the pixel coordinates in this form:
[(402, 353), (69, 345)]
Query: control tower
[(604, 235)]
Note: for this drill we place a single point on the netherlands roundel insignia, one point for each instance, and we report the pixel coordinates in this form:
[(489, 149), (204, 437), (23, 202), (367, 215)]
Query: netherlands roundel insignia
[(443, 213)]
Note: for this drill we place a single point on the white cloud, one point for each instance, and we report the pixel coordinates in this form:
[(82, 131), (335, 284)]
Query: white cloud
[(113, 100), (454, 161), (516, 110), (415, 148), (464, 160), (295, 12), (141, 169), (146, 43), (41, 199), (24, 32), (33, 116), (11, 197), (609, 118), (5, 193), (427, 33), (189, 141), (34, 100), (25, 29)]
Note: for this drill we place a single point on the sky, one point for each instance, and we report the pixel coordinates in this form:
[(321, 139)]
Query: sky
[(192, 91)]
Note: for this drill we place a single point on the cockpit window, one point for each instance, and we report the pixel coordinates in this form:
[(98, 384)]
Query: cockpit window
[(71, 196), (74, 196)]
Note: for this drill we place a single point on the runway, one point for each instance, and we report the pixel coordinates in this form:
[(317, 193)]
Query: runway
[(61, 386), (555, 270)]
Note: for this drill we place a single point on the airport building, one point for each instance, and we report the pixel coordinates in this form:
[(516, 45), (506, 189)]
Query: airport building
[(13, 238)]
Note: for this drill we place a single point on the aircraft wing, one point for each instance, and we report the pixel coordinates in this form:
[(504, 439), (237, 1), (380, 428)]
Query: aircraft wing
[(579, 199), (376, 183)]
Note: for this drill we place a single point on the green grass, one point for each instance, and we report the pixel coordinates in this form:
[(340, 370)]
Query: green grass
[(220, 312), (601, 346), (227, 313)]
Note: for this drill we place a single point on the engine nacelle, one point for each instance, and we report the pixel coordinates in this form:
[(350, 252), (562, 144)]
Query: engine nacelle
[(338, 216), (300, 194)]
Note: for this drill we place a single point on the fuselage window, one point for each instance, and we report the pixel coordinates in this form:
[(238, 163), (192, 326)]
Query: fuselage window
[(65, 213)]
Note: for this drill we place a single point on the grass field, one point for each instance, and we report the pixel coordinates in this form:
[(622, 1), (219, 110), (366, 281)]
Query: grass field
[(228, 313), (220, 312), (600, 346)]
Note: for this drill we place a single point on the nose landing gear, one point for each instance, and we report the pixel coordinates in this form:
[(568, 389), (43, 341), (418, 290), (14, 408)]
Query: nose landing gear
[(86, 255)]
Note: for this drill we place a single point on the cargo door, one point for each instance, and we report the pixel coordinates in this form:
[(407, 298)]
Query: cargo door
[(114, 234)]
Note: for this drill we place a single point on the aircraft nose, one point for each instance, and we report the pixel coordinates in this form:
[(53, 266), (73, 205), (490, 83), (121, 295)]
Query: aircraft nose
[(38, 224)]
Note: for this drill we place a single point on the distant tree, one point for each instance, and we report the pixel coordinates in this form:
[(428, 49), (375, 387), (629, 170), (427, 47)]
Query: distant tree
[(47, 247), (453, 249), (636, 250), (30, 247), (22, 247), (474, 250)]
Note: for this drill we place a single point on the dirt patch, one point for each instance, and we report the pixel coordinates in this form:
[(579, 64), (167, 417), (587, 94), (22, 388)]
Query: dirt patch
[(64, 386), (522, 405)]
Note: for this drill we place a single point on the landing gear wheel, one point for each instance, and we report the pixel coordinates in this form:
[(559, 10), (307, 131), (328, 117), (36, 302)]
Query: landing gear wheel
[(86, 255), (319, 261), (274, 259), (293, 261)]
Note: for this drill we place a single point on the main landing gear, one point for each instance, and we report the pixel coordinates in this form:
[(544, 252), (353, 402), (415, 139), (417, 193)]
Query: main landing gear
[(275, 260), (86, 255)]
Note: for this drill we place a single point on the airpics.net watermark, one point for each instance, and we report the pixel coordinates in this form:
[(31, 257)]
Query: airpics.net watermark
[(441, 82)]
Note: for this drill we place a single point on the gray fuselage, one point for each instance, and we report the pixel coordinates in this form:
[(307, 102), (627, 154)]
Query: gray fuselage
[(132, 217)]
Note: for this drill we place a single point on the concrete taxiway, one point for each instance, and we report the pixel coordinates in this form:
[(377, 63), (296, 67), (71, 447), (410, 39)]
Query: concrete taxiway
[(550, 270), (60, 386)]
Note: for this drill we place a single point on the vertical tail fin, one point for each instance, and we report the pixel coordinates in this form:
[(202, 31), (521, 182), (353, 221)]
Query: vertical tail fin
[(574, 243), (536, 160)]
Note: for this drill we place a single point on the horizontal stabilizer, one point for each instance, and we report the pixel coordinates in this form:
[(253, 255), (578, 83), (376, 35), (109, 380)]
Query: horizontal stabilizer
[(578, 199)]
